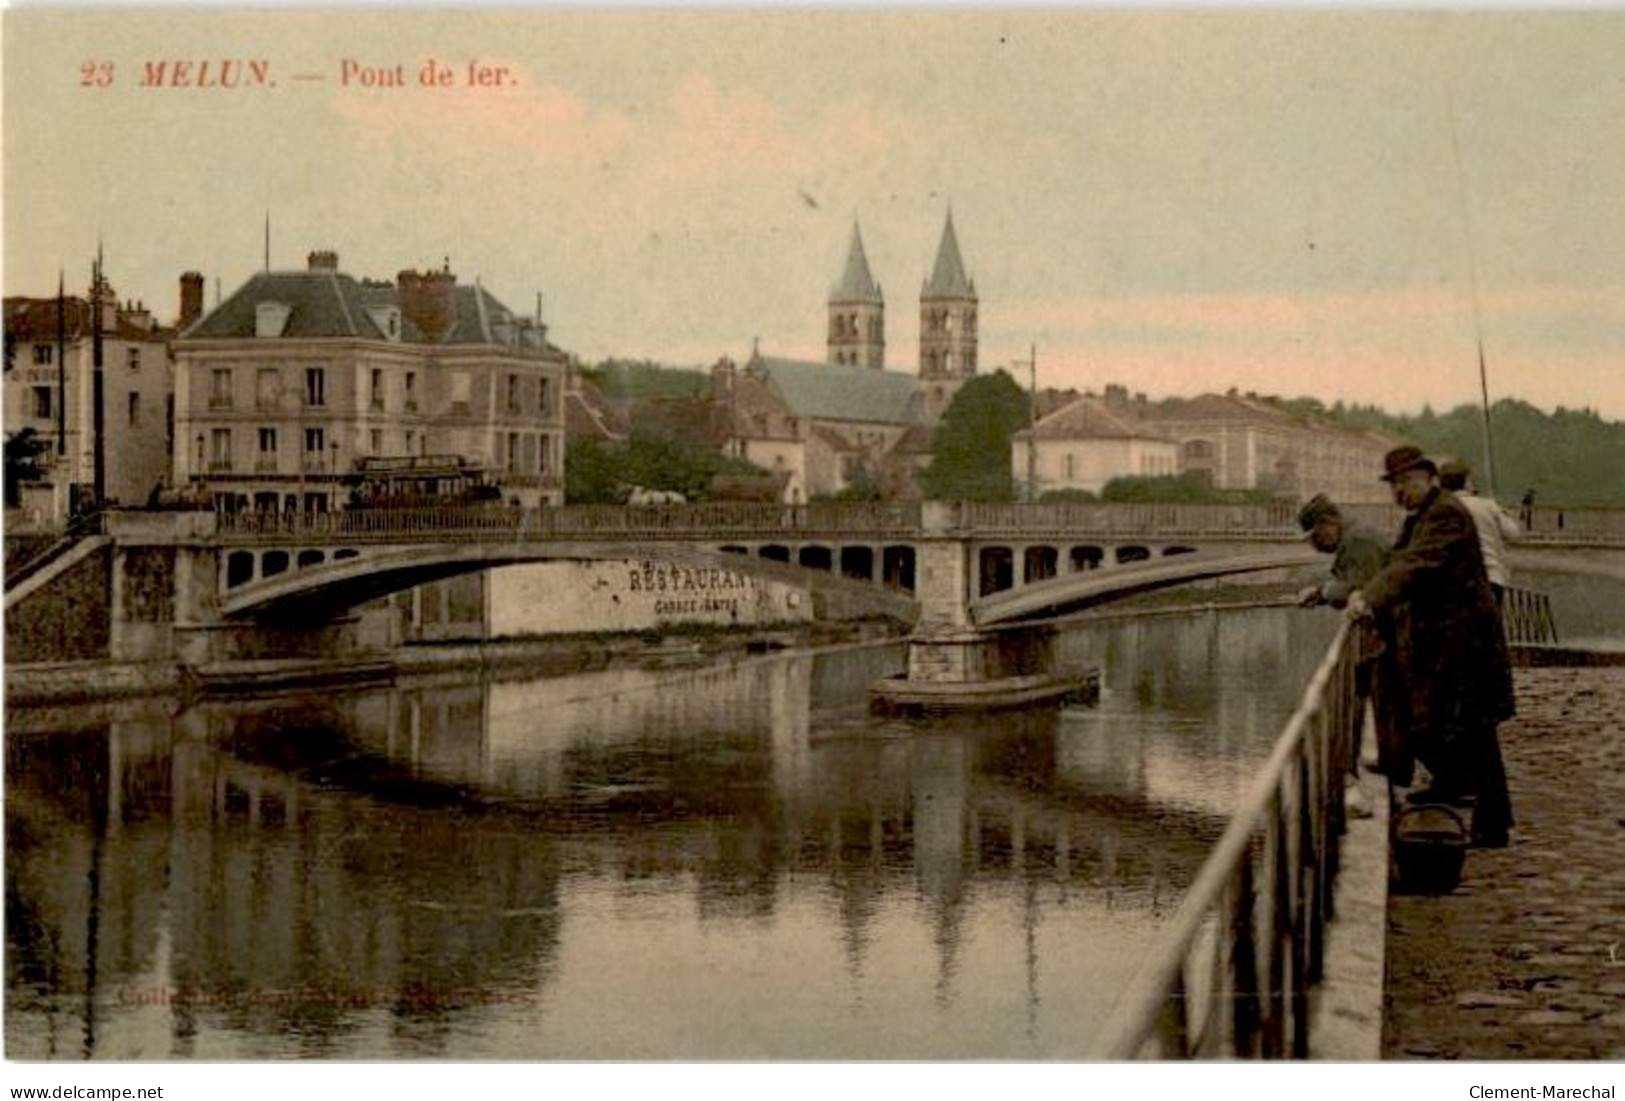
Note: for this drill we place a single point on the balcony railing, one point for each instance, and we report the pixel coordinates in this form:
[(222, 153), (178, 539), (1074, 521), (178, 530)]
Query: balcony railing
[(1231, 976)]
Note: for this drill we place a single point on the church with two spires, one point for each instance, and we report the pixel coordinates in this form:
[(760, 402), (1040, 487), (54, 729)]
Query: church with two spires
[(849, 422)]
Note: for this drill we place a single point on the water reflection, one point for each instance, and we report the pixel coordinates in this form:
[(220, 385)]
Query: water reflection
[(734, 861)]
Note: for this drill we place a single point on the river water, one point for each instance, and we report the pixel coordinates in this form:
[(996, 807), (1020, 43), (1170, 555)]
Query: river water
[(729, 860)]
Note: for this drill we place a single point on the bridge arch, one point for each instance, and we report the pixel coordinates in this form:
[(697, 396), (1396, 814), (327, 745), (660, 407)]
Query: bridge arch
[(329, 588)]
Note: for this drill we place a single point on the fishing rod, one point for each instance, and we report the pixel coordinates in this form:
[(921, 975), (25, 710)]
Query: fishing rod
[(1472, 277)]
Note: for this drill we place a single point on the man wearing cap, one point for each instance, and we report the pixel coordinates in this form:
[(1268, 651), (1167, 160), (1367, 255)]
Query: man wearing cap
[(1490, 520), (1358, 554), (1449, 649)]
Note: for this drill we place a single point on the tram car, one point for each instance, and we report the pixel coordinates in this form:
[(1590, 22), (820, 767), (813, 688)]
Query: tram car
[(415, 481)]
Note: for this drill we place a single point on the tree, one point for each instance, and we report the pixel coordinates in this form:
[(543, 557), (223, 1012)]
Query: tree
[(605, 473), (970, 450), (23, 450)]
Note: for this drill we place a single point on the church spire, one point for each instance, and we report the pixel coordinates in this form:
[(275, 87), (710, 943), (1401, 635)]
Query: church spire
[(857, 313), (948, 279), (856, 284)]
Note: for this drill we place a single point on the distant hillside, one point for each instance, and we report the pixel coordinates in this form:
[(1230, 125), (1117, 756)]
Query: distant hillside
[(1569, 457), (641, 380)]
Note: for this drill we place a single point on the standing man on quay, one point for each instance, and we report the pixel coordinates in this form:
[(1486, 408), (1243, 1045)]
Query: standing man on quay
[(1358, 553), (1450, 654), (1490, 520)]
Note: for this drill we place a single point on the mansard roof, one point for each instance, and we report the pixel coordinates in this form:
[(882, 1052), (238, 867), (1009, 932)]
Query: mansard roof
[(948, 278), (327, 303), (856, 284)]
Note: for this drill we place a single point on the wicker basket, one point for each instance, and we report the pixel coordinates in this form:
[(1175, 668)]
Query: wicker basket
[(1430, 844)]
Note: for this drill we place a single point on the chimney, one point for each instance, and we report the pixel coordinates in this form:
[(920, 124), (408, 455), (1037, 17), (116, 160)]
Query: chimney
[(429, 299), (323, 260), (191, 298), (723, 375)]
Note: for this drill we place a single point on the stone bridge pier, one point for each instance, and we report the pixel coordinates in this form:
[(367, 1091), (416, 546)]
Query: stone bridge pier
[(165, 599), (946, 646)]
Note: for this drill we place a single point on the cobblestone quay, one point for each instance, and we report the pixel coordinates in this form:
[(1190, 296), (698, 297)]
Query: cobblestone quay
[(1526, 960)]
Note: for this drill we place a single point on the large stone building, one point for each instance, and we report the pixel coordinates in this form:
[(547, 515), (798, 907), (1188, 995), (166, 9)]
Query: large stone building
[(1241, 441), (51, 391), (288, 384)]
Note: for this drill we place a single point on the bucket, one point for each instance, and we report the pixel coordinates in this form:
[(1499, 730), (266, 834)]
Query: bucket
[(1430, 844)]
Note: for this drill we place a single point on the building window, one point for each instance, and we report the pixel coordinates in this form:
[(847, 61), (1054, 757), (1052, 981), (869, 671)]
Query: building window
[(315, 445), (44, 355), (220, 449), (1071, 467), (411, 391), (132, 356), (315, 386), (135, 409), (378, 388), (411, 441), (267, 388), (267, 456), (513, 449), (42, 402), (542, 395), (545, 443), (423, 444), (220, 388), (513, 393), (375, 441)]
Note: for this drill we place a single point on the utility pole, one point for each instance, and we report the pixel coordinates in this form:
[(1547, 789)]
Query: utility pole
[(97, 414), (61, 369)]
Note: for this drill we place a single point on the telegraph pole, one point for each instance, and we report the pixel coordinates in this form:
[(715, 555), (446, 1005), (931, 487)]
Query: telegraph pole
[(98, 417), (61, 369)]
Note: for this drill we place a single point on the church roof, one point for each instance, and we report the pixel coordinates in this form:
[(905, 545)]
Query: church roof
[(948, 279), (841, 392), (856, 284)]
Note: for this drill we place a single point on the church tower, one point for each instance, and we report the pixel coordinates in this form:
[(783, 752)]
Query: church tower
[(947, 326), (857, 312)]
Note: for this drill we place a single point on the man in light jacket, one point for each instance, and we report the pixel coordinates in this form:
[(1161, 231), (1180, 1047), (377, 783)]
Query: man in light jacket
[(1495, 527)]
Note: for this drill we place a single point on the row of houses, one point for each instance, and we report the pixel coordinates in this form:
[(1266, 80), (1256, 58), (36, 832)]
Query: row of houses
[(276, 397)]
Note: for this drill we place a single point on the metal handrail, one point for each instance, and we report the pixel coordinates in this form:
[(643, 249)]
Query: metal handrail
[(1231, 976), (1526, 615)]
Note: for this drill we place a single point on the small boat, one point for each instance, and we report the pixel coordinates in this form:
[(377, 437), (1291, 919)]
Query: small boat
[(898, 694)]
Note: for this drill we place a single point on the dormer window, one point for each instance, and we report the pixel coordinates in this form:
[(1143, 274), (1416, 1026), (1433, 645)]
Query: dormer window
[(270, 318), (388, 320)]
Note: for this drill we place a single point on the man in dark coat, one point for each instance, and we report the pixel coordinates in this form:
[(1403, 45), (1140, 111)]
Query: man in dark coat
[(1450, 653)]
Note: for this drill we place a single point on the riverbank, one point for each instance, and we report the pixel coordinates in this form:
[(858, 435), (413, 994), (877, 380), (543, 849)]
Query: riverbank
[(1526, 959), (58, 683)]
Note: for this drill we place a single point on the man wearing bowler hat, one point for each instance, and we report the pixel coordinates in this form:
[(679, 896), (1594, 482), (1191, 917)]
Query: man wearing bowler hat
[(1449, 651)]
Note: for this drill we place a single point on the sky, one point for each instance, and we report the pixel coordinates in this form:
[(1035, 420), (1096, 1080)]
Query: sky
[(1321, 202)]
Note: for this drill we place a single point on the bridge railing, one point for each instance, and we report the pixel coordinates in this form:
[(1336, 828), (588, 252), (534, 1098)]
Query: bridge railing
[(1127, 519), (1232, 974), (718, 520)]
